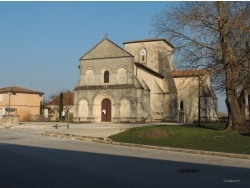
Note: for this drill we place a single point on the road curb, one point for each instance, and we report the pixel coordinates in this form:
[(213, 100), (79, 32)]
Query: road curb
[(109, 141), (201, 152), (76, 137)]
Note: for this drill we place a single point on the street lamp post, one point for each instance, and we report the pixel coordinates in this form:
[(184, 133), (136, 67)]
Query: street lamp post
[(9, 103)]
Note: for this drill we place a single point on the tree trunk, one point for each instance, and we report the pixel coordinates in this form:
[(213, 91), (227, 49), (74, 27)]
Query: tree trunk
[(236, 111), (235, 101)]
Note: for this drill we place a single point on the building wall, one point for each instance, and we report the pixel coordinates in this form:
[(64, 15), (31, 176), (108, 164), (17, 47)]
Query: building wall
[(157, 94), (27, 105), (141, 91), (153, 48), (188, 93), (125, 104), (123, 89), (163, 94), (91, 71)]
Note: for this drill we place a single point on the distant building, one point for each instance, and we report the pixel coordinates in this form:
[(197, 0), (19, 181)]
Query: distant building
[(27, 103), (52, 107), (140, 84)]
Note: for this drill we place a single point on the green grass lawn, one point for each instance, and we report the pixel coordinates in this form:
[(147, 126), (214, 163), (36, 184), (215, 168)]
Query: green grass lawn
[(210, 137)]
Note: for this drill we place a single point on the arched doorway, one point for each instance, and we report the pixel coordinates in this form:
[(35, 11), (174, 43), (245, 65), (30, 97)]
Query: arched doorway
[(106, 110)]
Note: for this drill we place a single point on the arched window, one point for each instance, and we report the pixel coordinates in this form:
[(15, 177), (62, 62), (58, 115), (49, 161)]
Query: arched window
[(143, 55), (181, 105), (106, 76)]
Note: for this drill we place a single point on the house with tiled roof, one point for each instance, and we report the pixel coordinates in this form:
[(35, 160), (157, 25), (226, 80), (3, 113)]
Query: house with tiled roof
[(26, 103), (140, 84)]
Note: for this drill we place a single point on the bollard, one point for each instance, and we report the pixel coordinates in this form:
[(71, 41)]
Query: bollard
[(67, 126), (56, 126)]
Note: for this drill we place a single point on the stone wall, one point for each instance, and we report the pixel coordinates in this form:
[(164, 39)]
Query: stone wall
[(92, 71), (10, 120)]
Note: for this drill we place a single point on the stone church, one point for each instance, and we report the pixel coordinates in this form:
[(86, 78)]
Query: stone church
[(139, 84)]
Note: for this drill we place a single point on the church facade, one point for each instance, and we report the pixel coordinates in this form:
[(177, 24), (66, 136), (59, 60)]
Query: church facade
[(134, 84)]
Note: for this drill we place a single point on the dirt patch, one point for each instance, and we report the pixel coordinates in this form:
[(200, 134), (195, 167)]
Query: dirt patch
[(155, 133)]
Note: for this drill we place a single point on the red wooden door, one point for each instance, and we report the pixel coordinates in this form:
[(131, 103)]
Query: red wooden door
[(106, 110)]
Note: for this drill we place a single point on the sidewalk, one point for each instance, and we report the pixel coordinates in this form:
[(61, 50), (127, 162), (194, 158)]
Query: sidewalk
[(90, 132), (100, 131), (83, 131)]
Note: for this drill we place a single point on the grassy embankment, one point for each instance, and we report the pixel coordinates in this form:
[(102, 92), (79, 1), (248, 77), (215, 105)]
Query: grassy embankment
[(210, 137)]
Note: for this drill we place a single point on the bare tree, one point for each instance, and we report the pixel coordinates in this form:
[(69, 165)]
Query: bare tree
[(68, 102), (215, 36)]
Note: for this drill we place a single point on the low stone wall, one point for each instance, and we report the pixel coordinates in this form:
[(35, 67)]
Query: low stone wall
[(129, 120), (10, 120), (84, 120)]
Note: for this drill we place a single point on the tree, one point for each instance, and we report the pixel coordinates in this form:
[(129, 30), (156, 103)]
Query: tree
[(60, 106), (53, 104), (68, 100), (41, 108), (214, 36)]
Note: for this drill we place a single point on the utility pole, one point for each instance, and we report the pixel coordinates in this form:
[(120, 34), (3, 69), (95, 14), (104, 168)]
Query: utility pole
[(9, 104), (199, 102)]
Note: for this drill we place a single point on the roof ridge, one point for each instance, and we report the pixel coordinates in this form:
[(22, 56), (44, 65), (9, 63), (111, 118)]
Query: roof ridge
[(100, 43), (192, 72), (150, 40), (17, 89)]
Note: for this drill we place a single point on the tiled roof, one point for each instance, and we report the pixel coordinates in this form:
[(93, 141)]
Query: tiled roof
[(189, 73), (16, 89), (150, 40), (118, 86), (149, 70)]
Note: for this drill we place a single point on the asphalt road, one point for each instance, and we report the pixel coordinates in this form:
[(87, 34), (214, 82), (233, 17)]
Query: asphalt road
[(28, 159)]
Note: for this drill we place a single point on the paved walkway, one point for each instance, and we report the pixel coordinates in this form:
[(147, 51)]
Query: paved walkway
[(100, 130), (90, 131)]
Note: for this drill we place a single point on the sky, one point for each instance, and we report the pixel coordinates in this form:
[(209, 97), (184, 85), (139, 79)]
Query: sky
[(41, 42)]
